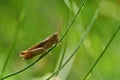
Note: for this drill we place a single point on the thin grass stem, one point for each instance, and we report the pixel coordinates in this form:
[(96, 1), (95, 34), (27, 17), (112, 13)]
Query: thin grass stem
[(10, 51), (73, 20), (13, 46), (79, 45), (101, 55), (62, 55), (61, 58)]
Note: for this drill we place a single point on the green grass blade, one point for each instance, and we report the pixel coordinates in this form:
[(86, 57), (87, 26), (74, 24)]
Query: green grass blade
[(73, 20), (81, 7), (80, 43), (11, 50), (101, 55), (61, 58)]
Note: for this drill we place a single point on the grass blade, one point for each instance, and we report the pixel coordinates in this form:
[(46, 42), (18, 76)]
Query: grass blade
[(101, 55), (10, 51), (73, 20), (80, 43), (61, 58)]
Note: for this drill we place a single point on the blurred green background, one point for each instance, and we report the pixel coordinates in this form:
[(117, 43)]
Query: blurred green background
[(26, 22)]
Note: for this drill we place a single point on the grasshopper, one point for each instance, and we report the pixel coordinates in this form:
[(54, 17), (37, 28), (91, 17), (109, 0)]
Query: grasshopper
[(40, 47)]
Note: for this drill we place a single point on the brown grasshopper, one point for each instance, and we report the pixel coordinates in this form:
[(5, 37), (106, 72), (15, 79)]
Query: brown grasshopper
[(40, 47)]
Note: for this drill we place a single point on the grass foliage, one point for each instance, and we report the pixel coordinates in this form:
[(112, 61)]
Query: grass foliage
[(88, 46)]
